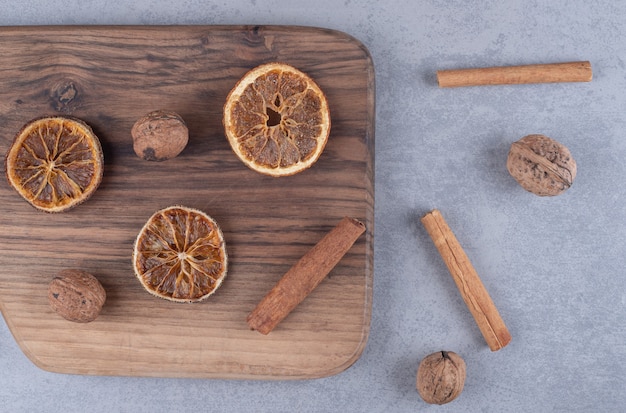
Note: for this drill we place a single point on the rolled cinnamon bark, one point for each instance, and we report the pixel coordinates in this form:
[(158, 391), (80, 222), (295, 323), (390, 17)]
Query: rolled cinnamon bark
[(468, 282), (304, 276), (508, 75)]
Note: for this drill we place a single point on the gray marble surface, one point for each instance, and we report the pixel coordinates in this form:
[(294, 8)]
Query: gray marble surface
[(553, 266)]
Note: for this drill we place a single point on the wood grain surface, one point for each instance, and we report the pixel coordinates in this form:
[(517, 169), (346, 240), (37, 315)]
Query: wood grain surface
[(111, 76)]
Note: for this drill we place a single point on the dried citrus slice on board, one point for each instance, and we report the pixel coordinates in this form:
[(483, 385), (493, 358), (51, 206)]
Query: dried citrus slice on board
[(55, 163), (277, 120), (180, 255)]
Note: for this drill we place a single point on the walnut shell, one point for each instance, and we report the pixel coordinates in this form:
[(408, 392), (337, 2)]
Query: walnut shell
[(76, 295), (541, 165), (441, 377), (159, 135)]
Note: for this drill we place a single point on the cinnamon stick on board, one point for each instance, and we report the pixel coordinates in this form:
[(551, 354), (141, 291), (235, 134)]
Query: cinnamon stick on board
[(304, 276), (508, 75), (469, 284)]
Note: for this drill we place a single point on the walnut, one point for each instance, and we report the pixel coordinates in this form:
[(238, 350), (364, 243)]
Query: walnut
[(440, 377), (159, 135), (76, 295), (541, 165)]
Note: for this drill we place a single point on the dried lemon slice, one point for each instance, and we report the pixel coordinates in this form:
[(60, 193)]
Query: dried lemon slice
[(277, 120), (180, 255), (55, 163)]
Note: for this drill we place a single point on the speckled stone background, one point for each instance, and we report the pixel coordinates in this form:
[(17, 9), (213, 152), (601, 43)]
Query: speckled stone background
[(554, 266)]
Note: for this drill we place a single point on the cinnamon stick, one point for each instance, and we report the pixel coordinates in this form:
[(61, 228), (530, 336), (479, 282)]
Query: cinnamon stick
[(468, 282), (304, 276), (508, 75)]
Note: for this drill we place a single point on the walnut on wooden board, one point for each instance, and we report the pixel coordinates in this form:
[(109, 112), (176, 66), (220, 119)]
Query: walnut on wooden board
[(160, 135), (441, 377), (541, 165), (76, 295)]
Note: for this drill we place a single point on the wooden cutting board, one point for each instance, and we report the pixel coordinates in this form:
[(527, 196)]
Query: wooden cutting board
[(109, 77)]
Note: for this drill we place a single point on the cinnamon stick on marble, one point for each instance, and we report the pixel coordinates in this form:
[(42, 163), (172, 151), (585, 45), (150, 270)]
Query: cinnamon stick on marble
[(508, 75), (468, 282), (304, 276)]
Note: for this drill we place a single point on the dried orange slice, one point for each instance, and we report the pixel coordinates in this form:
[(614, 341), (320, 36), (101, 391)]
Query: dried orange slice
[(180, 255), (55, 163), (277, 120)]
